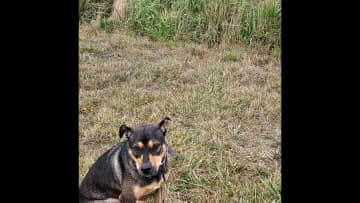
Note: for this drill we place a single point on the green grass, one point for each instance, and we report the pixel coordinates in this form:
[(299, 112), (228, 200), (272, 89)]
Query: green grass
[(171, 43), (256, 24), (208, 21), (90, 10), (231, 57), (225, 113), (107, 25)]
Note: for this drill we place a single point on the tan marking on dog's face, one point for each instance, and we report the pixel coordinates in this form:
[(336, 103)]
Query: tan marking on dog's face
[(141, 191), (156, 160), (138, 161), (151, 144), (140, 145)]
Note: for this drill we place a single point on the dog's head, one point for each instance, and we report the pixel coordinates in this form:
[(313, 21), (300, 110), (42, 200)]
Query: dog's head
[(147, 147)]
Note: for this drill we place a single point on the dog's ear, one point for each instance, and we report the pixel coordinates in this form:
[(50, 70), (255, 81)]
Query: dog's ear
[(163, 124), (124, 129)]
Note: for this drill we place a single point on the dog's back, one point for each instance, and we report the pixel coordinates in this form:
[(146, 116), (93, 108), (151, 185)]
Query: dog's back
[(101, 182)]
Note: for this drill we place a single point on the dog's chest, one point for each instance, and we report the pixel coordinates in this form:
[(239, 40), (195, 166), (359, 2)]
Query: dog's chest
[(142, 192)]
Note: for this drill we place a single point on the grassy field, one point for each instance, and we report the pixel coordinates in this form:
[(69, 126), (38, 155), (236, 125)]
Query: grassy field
[(224, 103), (213, 67)]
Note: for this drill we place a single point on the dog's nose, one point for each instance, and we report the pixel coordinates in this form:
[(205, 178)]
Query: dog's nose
[(146, 168)]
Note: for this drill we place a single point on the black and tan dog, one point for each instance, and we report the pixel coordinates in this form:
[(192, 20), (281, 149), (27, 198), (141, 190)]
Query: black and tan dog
[(132, 170)]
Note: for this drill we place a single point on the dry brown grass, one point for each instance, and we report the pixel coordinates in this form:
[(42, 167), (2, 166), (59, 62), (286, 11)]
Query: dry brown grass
[(225, 112)]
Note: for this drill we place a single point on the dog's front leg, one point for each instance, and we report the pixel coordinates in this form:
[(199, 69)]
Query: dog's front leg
[(158, 197)]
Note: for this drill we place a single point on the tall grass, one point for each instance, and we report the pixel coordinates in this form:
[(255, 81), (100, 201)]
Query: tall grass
[(209, 21), (254, 22), (94, 9)]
